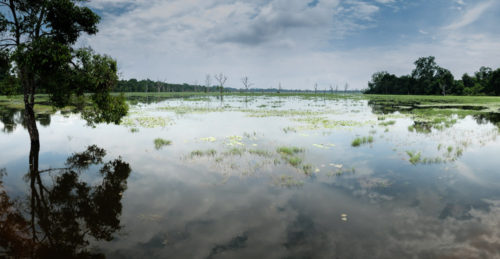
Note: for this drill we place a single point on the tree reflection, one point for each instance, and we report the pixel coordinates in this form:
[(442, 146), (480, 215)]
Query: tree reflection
[(62, 211), (11, 118)]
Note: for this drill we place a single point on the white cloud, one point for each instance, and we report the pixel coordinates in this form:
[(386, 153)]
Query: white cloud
[(471, 15), (271, 41)]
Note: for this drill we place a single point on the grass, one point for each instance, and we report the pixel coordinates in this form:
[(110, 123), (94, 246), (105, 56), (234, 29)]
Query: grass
[(387, 123), (160, 143), (360, 141), (289, 151), (260, 152), (415, 157)]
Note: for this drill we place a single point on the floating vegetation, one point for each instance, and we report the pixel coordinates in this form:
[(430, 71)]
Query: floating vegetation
[(360, 141), (234, 141), (327, 146), (181, 110), (146, 122), (134, 130), (387, 123), (324, 123), (160, 143), (208, 139)]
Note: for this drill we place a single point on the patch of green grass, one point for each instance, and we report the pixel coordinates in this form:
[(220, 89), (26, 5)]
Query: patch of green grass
[(160, 143), (289, 151), (360, 141)]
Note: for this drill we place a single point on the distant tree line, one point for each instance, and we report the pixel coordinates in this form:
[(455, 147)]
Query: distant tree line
[(147, 85), (430, 79)]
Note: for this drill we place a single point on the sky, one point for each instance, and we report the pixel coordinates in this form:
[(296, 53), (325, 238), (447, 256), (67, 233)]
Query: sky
[(295, 43)]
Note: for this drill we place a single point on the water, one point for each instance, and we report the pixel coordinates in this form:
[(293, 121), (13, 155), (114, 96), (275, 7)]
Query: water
[(223, 189)]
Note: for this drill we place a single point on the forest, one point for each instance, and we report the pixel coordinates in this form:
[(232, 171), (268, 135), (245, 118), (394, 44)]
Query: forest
[(428, 78)]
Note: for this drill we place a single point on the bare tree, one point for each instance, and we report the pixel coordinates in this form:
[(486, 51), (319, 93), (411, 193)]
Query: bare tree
[(336, 88), (246, 83), (315, 88), (331, 89), (221, 78), (208, 82), (279, 87), (346, 87)]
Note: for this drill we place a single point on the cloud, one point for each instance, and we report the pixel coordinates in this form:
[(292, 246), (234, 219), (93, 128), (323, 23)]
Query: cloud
[(471, 15), (271, 41)]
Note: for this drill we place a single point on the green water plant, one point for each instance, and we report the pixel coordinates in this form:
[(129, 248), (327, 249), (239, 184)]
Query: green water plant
[(360, 141), (160, 143)]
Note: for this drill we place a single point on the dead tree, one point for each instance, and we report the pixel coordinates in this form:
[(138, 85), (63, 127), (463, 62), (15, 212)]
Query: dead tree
[(221, 78), (246, 83)]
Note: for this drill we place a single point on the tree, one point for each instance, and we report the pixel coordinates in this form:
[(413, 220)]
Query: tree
[(246, 83), (346, 87), (445, 80), (221, 78), (9, 85), (38, 37), (315, 88), (279, 87), (494, 82), (208, 82)]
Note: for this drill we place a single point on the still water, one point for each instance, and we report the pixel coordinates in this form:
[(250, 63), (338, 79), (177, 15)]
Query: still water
[(273, 177)]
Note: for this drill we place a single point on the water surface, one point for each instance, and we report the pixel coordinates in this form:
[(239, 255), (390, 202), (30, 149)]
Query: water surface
[(228, 187)]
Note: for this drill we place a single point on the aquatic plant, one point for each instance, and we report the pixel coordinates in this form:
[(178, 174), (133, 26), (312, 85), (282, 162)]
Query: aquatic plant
[(289, 150), (387, 123), (360, 141), (160, 143), (414, 157)]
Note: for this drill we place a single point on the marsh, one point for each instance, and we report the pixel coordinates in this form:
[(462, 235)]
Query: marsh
[(279, 175)]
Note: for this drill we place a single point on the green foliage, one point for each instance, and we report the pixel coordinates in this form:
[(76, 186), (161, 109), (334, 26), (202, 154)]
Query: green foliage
[(289, 150), (39, 38), (430, 79), (360, 141), (415, 157), (160, 143)]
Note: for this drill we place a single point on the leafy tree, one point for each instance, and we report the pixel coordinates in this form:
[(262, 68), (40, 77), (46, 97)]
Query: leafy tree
[(38, 38), (494, 82)]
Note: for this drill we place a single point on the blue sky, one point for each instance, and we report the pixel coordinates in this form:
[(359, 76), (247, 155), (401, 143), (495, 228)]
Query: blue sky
[(297, 43)]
